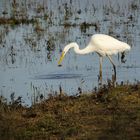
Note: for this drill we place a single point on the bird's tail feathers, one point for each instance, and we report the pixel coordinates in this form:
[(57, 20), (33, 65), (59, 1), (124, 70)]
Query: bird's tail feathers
[(127, 47)]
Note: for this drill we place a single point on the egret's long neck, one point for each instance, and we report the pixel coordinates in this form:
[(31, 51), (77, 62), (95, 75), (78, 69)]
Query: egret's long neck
[(86, 50)]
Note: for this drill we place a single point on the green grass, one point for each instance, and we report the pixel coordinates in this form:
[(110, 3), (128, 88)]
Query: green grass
[(112, 113)]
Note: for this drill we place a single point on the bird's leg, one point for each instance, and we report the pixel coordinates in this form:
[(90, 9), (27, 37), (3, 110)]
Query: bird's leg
[(100, 71), (114, 67), (122, 57)]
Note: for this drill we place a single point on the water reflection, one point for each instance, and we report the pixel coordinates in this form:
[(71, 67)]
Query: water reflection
[(32, 49), (59, 76)]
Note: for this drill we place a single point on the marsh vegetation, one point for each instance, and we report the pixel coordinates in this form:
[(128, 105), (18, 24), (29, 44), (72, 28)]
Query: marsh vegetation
[(110, 113)]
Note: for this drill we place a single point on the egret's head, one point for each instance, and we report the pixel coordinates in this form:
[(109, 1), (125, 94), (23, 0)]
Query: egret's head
[(66, 49)]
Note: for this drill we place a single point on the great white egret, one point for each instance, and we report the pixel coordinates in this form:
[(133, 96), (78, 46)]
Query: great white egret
[(103, 45)]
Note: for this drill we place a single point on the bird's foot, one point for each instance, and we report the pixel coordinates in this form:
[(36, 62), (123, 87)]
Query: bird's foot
[(114, 79), (100, 81)]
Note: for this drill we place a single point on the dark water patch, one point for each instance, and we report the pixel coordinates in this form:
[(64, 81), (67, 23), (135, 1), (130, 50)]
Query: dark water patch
[(58, 76), (131, 67)]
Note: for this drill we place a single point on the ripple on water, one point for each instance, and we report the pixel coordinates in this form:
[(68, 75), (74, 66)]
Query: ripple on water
[(58, 76)]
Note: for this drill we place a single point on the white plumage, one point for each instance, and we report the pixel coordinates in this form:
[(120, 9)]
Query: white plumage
[(107, 45), (103, 45)]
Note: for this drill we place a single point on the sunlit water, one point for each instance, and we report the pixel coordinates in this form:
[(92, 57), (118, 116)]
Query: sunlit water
[(29, 53)]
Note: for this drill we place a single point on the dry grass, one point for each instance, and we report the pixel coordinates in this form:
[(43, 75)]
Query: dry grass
[(16, 21), (112, 113)]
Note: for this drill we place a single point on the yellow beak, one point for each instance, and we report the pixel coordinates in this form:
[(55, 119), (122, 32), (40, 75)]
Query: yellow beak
[(61, 58)]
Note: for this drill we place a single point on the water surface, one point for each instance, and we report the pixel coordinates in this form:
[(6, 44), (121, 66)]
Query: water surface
[(29, 52)]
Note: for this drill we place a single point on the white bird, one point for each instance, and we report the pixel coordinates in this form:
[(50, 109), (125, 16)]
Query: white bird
[(103, 45)]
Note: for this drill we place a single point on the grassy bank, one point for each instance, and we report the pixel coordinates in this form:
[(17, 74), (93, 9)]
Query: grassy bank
[(111, 113)]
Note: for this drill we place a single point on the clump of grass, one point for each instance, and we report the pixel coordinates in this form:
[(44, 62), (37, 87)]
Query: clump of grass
[(84, 26), (110, 113), (15, 21)]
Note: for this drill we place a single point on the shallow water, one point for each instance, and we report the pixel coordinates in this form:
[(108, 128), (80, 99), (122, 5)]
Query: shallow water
[(59, 76), (29, 53)]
